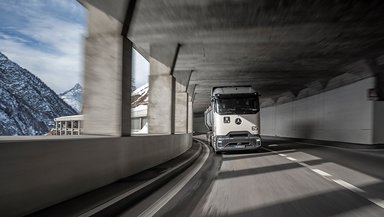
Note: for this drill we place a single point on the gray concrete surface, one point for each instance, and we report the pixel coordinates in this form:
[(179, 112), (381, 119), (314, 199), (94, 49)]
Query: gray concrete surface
[(103, 75), (276, 46), (291, 60), (181, 112), (304, 180), (162, 89), (286, 50), (37, 174), (344, 114), (190, 114), (160, 104), (198, 124), (378, 122), (111, 199)]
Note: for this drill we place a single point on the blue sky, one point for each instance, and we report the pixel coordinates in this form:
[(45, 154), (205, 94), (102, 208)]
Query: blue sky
[(47, 38)]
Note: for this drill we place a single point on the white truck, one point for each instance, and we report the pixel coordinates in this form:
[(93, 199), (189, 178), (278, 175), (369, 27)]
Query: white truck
[(233, 119)]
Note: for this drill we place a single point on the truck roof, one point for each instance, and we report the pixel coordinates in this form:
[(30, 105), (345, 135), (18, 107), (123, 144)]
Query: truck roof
[(232, 90)]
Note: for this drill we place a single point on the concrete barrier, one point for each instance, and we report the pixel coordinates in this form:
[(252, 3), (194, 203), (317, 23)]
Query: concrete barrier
[(38, 173)]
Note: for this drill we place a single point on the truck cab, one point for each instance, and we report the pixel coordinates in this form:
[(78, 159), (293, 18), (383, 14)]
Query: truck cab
[(234, 119)]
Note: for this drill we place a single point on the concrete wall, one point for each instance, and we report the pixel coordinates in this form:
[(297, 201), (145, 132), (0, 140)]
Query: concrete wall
[(38, 173), (199, 125), (344, 114), (378, 125)]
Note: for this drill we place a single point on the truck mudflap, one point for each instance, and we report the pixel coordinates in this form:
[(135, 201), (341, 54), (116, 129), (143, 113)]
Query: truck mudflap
[(238, 142)]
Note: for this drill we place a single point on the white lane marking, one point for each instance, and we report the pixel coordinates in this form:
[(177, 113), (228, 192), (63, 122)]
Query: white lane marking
[(379, 202), (273, 145), (348, 186), (337, 147), (291, 159), (152, 210), (320, 172), (128, 193)]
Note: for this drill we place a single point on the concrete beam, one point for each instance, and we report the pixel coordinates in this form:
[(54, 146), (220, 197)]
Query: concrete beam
[(166, 54), (116, 9), (191, 89), (128, 17), (183, 77)]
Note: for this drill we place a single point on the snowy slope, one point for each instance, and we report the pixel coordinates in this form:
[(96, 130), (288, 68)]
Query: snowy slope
[(140, 96), (140, 106), (27, 105), (73, 97)]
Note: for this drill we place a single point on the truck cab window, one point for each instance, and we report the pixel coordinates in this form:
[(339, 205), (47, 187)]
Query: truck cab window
[(244, 105)]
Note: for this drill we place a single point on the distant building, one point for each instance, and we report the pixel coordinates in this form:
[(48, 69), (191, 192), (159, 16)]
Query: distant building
[(139, 119), (73, 125), (68, 125)]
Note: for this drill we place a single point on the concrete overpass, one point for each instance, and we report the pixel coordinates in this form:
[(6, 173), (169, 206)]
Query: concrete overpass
[(318, 65)]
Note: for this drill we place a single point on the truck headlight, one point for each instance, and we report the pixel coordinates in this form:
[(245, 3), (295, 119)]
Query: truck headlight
[(219, 142)]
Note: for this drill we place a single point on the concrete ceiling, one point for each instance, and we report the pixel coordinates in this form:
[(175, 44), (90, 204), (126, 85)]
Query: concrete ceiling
[(274, 45)]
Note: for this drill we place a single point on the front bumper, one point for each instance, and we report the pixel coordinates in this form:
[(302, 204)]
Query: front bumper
[(226, 143)]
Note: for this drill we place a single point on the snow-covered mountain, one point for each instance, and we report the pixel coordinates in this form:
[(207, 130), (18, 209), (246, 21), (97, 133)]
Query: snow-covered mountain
[(73, 97), (140, 96), (27, 105)]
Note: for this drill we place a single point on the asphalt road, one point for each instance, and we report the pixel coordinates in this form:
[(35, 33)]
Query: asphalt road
[(284, 179)]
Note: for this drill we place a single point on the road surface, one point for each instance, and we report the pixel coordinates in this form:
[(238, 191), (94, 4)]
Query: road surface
[(283, 179)]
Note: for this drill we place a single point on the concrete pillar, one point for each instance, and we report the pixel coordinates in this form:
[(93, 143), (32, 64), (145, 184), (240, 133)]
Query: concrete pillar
[(161, 85), (65, 127), (107, 76), (377, 67), (71, 127), (56, 128), (161, 95), (81, 131), (190, 114), (181, 109), (60, 128)]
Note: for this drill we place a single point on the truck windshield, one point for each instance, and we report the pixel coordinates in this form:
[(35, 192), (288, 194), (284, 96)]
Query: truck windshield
[(237, 105)]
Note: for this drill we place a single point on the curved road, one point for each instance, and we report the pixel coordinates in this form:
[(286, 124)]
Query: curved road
[(283, 179)]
